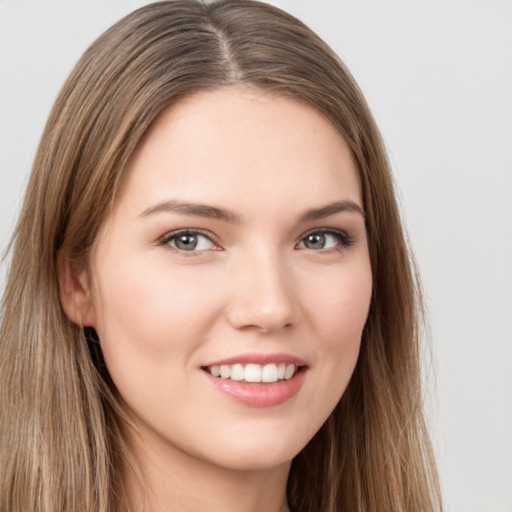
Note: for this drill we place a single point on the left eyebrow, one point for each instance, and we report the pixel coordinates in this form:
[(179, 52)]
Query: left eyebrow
[(331, 209)]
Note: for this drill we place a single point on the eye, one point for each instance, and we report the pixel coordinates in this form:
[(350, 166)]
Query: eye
[(187, 240), (324, 239)]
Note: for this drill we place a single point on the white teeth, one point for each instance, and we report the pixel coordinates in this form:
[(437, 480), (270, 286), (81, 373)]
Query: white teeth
[(225, 371), (290, 370), (254, 372), (237, 372), (269, 373)]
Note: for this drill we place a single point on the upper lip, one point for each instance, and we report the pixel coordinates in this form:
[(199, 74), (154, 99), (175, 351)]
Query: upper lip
[(258, 358)]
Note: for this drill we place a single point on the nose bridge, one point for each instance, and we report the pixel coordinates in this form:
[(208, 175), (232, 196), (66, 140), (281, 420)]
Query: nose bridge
[(263, 296)]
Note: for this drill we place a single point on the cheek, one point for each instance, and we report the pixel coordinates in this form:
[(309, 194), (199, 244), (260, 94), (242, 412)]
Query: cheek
[(153, 310), (340, 307), (151, 321), (340, 312)]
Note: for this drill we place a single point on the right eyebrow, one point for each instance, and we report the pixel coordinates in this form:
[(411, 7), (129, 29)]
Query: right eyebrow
[(192, 209)]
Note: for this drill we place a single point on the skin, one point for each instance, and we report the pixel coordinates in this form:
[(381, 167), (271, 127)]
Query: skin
[(255, 285)]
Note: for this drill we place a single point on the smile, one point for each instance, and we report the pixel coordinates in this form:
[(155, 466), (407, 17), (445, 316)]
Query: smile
[(254, 372), (257, 380)]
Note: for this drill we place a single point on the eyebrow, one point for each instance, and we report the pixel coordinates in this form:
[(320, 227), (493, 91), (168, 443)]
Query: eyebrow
[(192, 209), (331, 209), (215, 212)]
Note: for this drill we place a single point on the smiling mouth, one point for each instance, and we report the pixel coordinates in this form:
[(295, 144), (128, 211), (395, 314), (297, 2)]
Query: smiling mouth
[(254, 373)]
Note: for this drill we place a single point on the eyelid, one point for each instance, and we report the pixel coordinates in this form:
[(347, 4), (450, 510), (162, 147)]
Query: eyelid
[(345, 240), (164, 240)]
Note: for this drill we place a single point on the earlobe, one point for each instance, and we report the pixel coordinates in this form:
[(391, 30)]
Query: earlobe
[(74, 290)]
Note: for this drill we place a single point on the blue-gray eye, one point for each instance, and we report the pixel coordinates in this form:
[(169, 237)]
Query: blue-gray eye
[(322, 240), (189, 241)]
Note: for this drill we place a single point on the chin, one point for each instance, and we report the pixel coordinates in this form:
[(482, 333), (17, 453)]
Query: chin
[(255, 461), (255, 451)]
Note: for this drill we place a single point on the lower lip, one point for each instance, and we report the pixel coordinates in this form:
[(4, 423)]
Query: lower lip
[(259, 394)]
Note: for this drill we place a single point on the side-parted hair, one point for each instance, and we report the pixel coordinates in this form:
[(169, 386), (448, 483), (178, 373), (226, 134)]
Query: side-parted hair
[(61, 444)]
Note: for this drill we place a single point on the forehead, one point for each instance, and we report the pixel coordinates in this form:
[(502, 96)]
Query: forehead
[(242, 146)]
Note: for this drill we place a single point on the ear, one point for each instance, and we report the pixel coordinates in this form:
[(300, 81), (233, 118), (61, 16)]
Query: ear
[(74, 290)]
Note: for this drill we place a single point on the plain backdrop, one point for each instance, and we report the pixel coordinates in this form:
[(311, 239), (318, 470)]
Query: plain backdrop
[(438, 76)]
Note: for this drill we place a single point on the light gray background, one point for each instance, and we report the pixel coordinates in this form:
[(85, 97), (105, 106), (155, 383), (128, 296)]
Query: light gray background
[(438, 76)]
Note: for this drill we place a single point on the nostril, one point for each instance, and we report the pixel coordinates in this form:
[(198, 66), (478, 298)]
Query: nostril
[(248, 316)]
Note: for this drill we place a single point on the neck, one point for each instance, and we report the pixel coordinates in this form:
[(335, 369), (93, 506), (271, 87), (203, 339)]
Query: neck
[(164, 478)]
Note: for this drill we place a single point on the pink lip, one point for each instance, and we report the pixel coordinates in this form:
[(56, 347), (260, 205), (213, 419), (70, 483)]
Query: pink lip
[(262, 359), (259, 394)]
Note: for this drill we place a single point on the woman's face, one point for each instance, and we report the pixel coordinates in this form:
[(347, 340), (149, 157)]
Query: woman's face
[(237, 246)]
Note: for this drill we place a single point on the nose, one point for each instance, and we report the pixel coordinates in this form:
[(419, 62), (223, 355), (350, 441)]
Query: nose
[(263, 296)]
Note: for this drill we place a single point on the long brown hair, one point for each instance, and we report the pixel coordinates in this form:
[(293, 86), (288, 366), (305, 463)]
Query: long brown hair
[(60, 422)]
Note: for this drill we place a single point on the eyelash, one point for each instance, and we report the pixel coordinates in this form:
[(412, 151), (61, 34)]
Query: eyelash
[(344, 240), (174, 235)]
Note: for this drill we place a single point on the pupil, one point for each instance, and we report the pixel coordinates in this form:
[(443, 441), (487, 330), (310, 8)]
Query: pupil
[(186, 242), (316, 241)]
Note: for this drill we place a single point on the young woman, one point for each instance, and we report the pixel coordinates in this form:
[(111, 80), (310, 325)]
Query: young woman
[(210, 303)]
